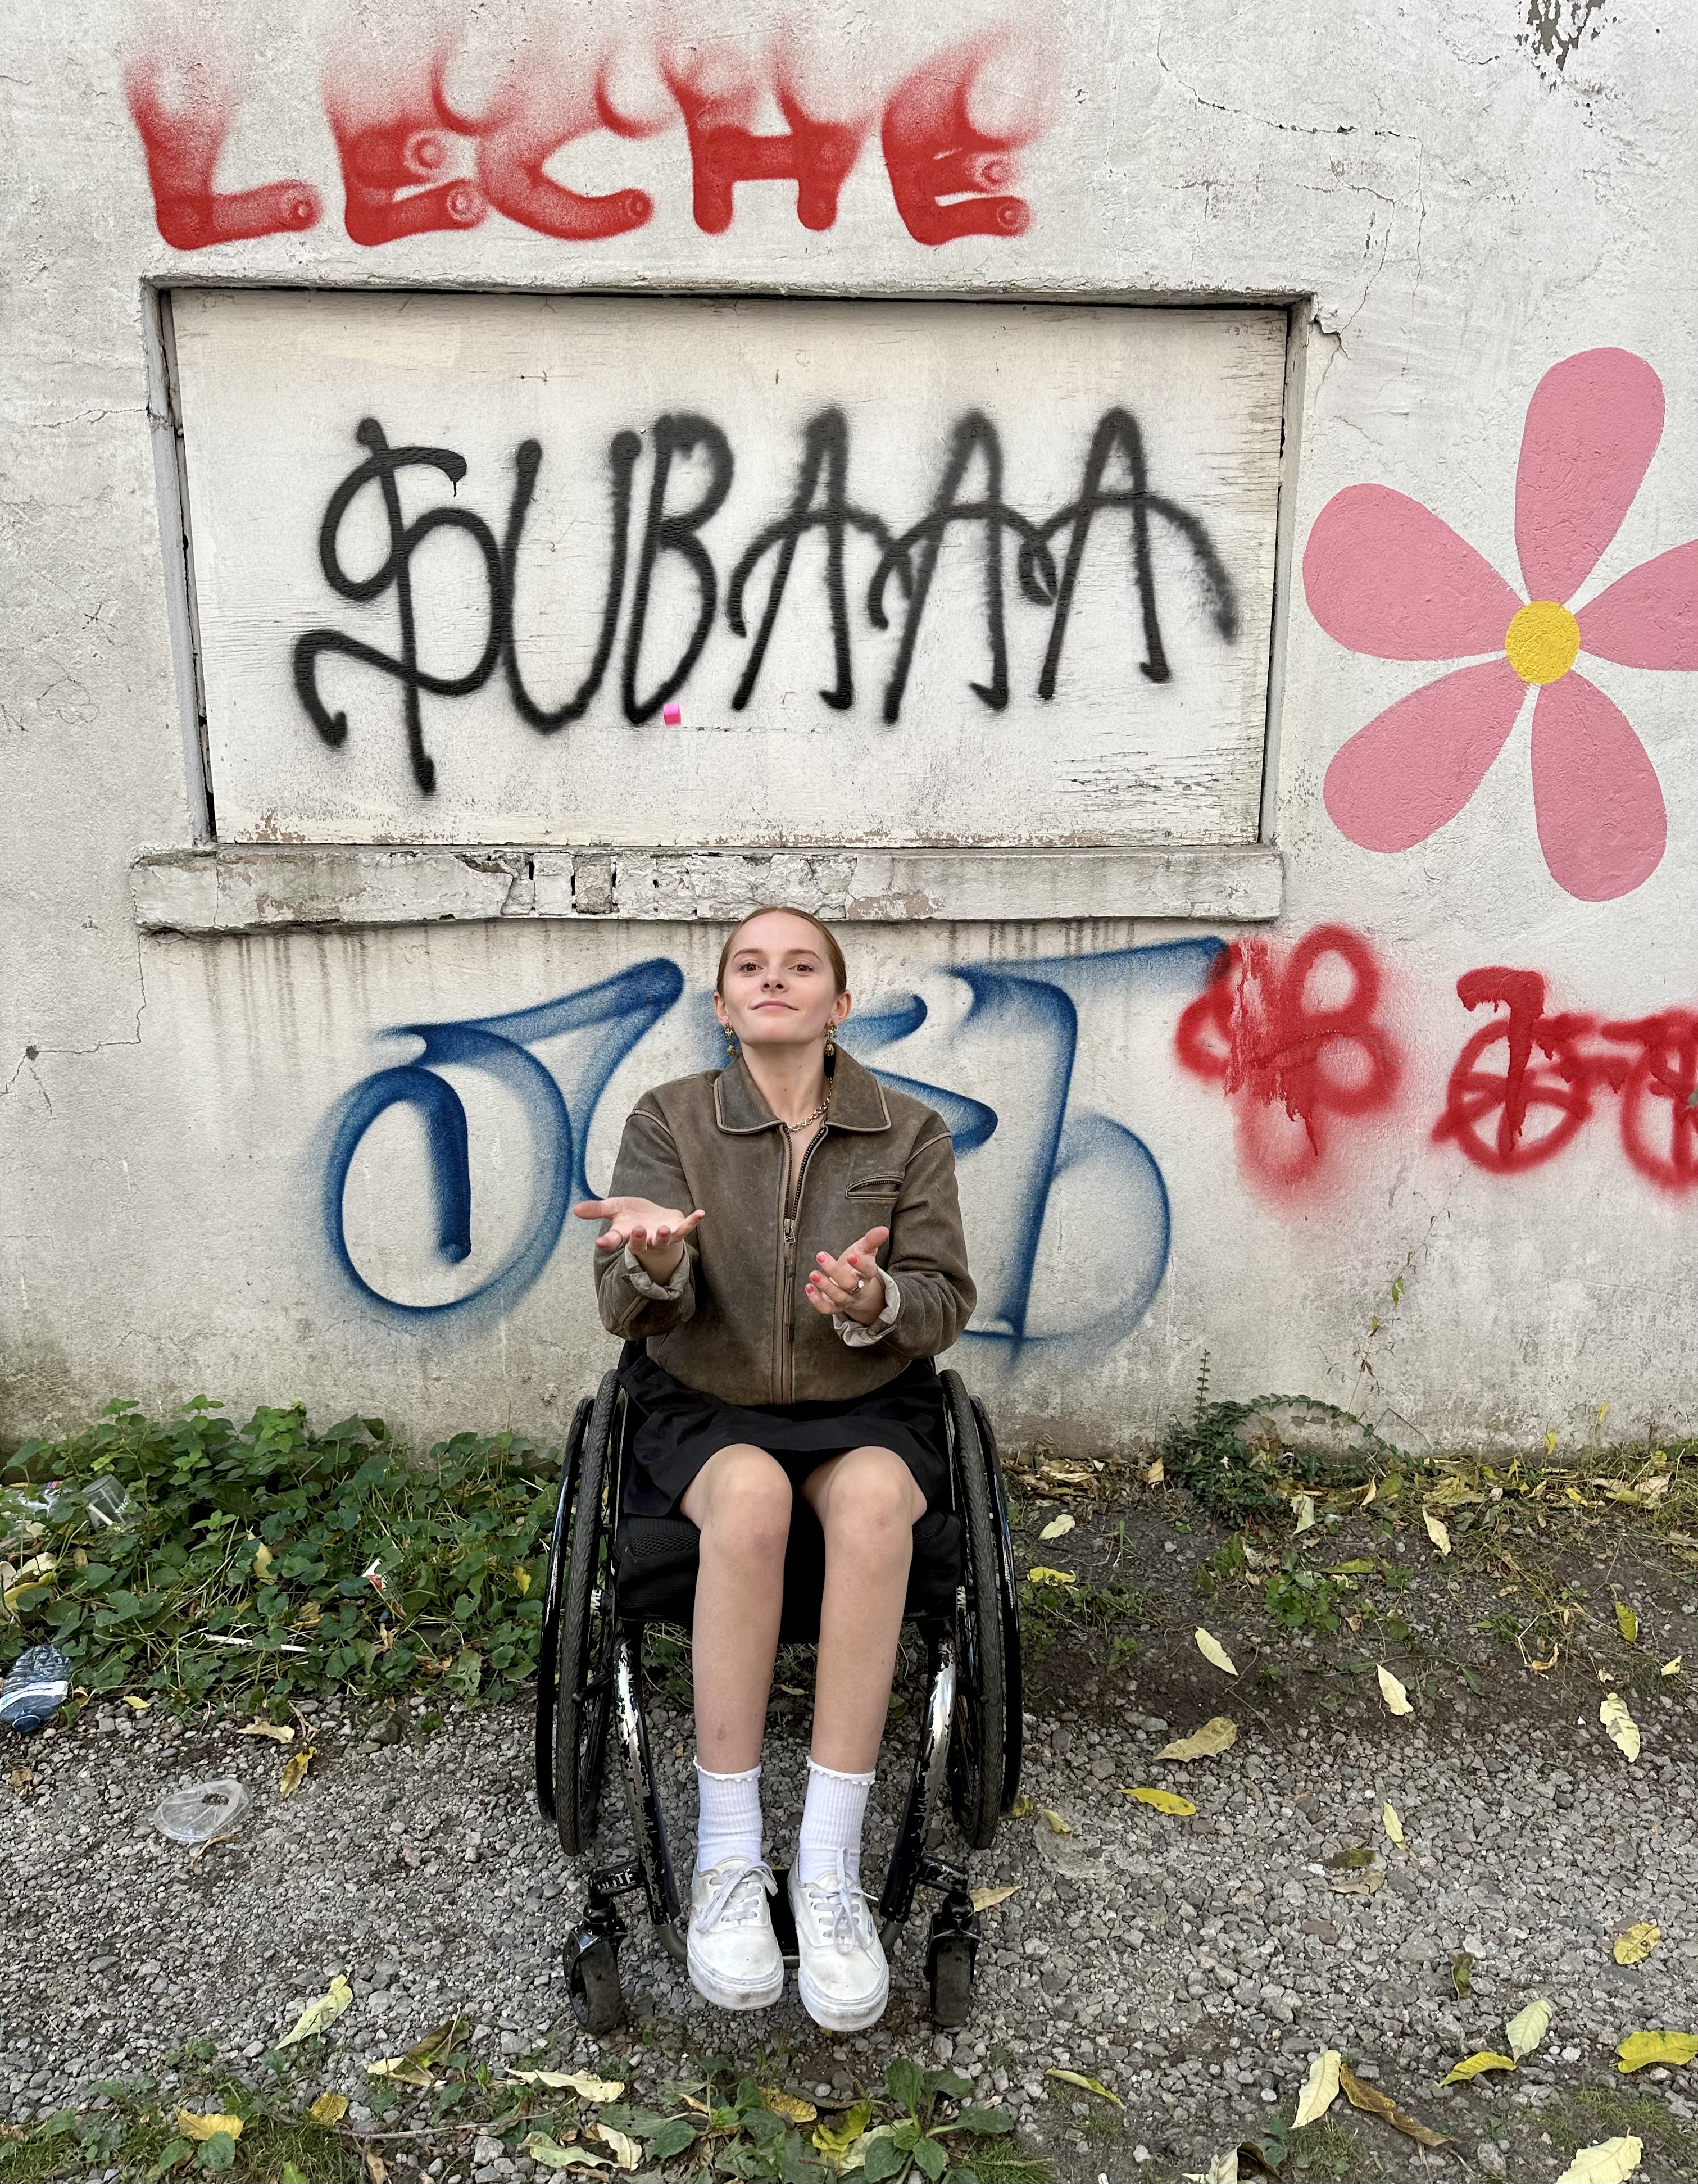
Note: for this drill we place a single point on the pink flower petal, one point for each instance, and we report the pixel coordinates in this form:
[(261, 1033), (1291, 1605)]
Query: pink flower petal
[(1648, 618), (1592, 427), (1599, 807), (1385, 577), (1416, 765)]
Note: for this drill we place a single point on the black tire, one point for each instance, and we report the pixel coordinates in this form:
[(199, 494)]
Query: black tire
[(979, 1739), (583, 1692), (949, 1973), (592, 1983), (1008, 1587), (548, 1638)]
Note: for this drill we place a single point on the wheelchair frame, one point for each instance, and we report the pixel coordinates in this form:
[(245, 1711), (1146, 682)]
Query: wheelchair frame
[(589, 1683)]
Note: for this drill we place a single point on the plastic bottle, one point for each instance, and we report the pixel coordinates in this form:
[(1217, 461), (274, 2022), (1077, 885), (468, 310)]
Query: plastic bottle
[(203, 1810), (37, 1687)]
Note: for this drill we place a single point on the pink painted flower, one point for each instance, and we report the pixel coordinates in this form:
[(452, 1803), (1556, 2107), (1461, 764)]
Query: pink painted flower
[(1386, 577)]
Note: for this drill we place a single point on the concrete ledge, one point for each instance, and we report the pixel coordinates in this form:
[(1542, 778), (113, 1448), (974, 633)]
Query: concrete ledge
[(266, 887)]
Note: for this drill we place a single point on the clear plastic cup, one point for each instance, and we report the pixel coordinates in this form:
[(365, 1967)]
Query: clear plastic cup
[(203, 1810)]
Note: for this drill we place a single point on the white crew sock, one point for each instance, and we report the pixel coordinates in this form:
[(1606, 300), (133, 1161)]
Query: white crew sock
[(730, 1822), (832, 1821)]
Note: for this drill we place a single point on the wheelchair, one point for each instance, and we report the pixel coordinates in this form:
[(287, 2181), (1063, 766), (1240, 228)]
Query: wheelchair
[(611, 1575)]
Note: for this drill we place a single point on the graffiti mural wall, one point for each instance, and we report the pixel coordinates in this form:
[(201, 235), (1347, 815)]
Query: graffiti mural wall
[(1176, 535)]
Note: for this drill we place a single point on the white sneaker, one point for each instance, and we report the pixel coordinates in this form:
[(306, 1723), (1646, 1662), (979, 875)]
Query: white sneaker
[(841, 1972), (733, 1953)]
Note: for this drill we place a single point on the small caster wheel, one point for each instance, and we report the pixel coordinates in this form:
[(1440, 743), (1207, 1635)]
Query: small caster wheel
[(950, 1970), (593, 1983)]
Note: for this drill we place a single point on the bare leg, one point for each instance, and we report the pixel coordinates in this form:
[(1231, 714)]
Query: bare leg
[(868, 1504), (740, 1502)]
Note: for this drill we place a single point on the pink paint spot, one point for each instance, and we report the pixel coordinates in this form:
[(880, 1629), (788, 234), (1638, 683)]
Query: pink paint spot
[(671, 715)]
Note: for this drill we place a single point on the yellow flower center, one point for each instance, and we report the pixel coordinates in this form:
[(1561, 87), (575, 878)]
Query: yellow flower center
[(1543, 642)]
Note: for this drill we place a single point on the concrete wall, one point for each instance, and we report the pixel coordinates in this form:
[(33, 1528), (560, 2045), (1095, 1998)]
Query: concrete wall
[(1380, 1096)]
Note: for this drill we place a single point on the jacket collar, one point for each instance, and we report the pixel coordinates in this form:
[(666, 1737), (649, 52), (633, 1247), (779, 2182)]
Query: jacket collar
[(857, 1098)]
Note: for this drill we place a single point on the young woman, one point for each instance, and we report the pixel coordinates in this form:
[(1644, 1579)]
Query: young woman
[(784, 1237)]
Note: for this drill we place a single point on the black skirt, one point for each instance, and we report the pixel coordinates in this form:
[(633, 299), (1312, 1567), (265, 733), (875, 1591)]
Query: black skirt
[(679, 1428)]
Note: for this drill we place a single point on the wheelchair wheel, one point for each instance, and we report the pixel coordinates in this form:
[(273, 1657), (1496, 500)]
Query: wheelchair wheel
[(1008, 1589), (593, 1983), (548, 1640), (978, 1738), (583, 1689)]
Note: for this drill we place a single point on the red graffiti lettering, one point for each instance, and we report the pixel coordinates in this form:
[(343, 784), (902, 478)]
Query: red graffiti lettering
[(182, 136), (718, 94), (950, 176), (1665, 1069), (1259, 1030), (394, 135)]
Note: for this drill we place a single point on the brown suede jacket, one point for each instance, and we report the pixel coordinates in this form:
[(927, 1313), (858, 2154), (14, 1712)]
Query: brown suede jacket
[(740, 1328)]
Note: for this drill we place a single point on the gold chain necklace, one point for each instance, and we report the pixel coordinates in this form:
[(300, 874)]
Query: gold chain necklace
[(808, 1121)]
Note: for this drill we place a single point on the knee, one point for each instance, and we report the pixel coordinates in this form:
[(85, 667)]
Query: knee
[(872, 1504), (749, 1515)]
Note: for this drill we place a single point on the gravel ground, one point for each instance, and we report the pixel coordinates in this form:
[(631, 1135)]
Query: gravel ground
[(1194, 1964)]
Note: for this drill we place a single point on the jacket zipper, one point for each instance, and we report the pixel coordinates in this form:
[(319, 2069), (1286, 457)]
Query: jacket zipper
[(786, 1360)]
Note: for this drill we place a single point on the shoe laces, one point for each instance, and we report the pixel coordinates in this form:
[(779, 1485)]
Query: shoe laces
[(729, 1901), (837, 1901)]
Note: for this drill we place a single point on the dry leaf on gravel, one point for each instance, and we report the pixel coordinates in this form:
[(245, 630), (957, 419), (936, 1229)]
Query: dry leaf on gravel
[(1212, 1650), (1304, 1505), (1672, 1667), (834, 2140), (1438, 1533), (279, 1732), (1204, 1743), (1058, 1527), (625, 2150), (1365, 1883), (1675, 2049), (583, 2083), (1627, 1618), (1472, 2065), (200, 2128), (1020, 1810), (1634, 1943), (1156, 1472), (1038, 1574), (377, 2168), (318, 2014), (985, 1899), (1393, 1693), (1086, 2085), (1528, 2027), (1390, 1822), (1371, 2102), (791, 2106), (1053, 1820), (1320, 2088), (1609, 2162), (329, 2109), (135, 1705), (547, 2154), (295, 1772), (1163, 1800), (1619, 1726), (1222, 2170)]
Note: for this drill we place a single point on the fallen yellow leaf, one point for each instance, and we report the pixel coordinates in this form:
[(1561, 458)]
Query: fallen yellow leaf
[(1039, 1575), (625, 2150), (791, 2106), (140, 1706), (543, 2151), (1628, 1618), (1551, 1443), (279, 1732), (1393, 1693), (329, 2109), (1156, 1472), (1438, 1533), (1368, 1882), (1320, 2088), (1164, 1800), (587, 2086), (835, 2139), (1675, 2049), (1635, 1943), (1371, 2102), (200, 2128), (1303, 1506), (295, 1772), (1611, 2161), (1086, 2085), (1020, 1810), (1372, 1489), (1204, 1743), (1057, 1528), (1212, 1650), (1054, 1823), (1472, 2065), (1528, 2027), (318, 2014), (985, 1899), (1672, 1667), (1390, 1822), (262, 1562), (521, 1578), (1619, 1726)]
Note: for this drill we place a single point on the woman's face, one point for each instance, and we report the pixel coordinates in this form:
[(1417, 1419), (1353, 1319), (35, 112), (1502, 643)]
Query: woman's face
[(778, 989)]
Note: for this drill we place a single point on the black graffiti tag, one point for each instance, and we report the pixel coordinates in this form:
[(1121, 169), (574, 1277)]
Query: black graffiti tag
[(820, 502)]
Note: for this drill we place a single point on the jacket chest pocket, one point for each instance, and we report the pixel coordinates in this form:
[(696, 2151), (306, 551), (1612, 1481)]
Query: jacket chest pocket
[(886, 1187)]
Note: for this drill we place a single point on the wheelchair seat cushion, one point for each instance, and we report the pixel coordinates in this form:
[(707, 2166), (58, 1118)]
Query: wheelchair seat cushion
[(655, 1562)]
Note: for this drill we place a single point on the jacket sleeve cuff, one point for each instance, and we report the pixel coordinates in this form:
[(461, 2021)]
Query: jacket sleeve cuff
[(862, 1338), (645, 1284)]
